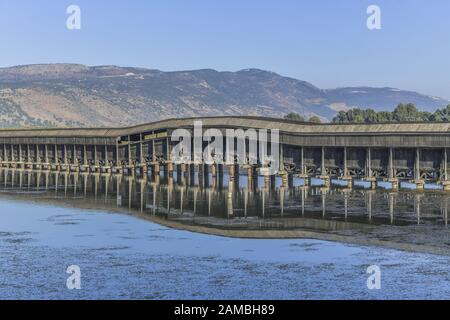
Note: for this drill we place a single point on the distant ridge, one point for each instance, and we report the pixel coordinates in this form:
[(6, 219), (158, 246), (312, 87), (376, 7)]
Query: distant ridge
[(78, 95)]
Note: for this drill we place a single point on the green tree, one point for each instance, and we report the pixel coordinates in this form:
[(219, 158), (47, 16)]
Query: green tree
[(409, 113), (441, 115), (314, 119), (294, 116), (402, 113)]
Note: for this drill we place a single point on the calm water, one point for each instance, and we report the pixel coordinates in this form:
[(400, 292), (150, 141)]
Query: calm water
[(50, 221)]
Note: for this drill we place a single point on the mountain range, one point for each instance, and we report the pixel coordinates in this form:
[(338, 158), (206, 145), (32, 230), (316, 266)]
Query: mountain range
[(91, 96)]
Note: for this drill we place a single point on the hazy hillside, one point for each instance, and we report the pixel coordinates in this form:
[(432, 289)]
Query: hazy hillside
[(77, 95)]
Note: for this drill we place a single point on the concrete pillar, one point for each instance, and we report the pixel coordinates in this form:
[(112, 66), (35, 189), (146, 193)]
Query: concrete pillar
[(267, 181), (231, 171), (349, 181), (156, 169), (285, 179), (144, 169)]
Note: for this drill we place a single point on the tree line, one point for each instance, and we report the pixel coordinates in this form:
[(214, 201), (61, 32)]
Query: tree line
[(402, 113), (296, 117)]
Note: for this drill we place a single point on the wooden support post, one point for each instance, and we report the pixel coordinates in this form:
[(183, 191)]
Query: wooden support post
[(129, 152), (65, 154), (29, 160), (303, 174), (302, 160), (141, 151), (106, 155), (74, 156), (168, 156), (118, 164), (46, 154), (346, 176), (417, 165), (95, 155), (38, 158), (55, 157), (391, 171), (84, 155), (153, 151), (281, 168), (444, 177), (418, 181), (369, 175), (345, 163), (323, 171)]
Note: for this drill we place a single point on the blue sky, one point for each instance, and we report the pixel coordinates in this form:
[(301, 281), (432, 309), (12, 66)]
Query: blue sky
[(325, 42)]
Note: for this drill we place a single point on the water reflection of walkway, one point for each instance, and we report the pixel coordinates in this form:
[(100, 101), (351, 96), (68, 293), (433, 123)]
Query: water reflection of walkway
[(245, 202)]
